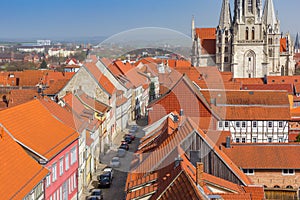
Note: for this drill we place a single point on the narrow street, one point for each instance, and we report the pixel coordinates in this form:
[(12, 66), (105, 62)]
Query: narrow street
[(117, 188)]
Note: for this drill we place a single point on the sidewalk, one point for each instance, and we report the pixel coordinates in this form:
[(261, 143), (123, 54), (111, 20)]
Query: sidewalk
[(104, 161)]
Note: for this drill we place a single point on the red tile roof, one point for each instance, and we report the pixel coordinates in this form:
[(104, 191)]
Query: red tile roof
[(55, 87), (282, 87), (92, 103), (99, 77), (19, 172), (247, 105), (283, 45), (264, 156), (35, 127), (208, 39), (20, 96)]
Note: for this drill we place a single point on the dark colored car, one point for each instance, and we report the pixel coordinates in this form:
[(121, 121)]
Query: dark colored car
[(133, 129), (121, 153), (124, 146), (131, 135), (128, 139), (104, 179), (97, 193)]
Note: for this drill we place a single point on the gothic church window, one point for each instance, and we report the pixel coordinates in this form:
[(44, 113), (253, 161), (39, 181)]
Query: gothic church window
[(250, 6), (253, 33), (247, 34), (226, 40)]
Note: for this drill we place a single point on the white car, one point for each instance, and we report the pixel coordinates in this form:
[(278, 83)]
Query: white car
[(110, 170), (115, 162)]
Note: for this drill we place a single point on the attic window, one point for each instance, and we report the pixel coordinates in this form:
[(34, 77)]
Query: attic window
[(282, 80), (296, 80), (273, 81), (288, 172)]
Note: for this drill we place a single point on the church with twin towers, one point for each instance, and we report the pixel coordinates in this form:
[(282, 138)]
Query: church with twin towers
[(250, 44)]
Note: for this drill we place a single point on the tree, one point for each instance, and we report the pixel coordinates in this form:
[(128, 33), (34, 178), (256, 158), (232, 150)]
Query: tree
[(297, 138), (43, 65), (151, 92)]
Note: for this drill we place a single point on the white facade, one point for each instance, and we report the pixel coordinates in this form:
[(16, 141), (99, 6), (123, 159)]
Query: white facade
[(256, 131)]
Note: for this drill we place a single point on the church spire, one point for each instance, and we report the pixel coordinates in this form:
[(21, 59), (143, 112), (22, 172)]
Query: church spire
[(193, 28), (269, 16), (297, 44), (225, 15)]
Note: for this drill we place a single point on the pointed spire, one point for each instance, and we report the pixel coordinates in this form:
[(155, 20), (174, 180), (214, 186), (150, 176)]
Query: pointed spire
[(269, 16), (225, 15), (297, 44), (193, 28)]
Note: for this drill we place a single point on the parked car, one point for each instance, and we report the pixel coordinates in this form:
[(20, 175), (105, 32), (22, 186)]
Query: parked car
[(121, 153), (110, 170), (131, 135), (124, 146), (97, 193), (115, 162), (128, 139), (92, 198), (104, 179)]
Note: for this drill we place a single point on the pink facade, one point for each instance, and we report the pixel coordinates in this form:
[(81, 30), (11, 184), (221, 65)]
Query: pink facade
[(61, 183)]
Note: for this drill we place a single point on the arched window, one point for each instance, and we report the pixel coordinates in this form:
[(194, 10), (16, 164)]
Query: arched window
[(253, 33), (247, 34), (289, 187), (250, 6), (276, 186)]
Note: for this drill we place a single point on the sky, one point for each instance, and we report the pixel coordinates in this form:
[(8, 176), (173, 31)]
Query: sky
[(90, 18)]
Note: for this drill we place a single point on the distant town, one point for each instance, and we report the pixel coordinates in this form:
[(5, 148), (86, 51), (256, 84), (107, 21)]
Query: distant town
[(216, 118)]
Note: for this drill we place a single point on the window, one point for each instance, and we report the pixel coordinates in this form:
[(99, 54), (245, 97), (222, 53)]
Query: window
[(243, 140), (270, 124), (288, 172), (237, 140), (67, 161), (54, 175), (250, 6), (280, 139), (220, 124), (226, 40), (226, 124), (61, 166), (270, 139), (247, 34), (254, 139), (254, 124), (238, 124), (280, 124), (226, 32), (243, 124), (48, 180), (73, 155), (220, 50), (226, 59), (253, 33), (226, 49), (248, 171)]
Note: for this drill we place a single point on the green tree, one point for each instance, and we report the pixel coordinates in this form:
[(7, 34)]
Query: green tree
[(43, 65), (297, 138), (151, 92)]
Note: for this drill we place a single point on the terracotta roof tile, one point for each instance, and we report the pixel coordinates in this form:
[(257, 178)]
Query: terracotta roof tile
[(34, 126), (99, 77), (92, 103), (19, 172), (208, 39), (283, 45), (264, 156), (282, 87), (20, 96)]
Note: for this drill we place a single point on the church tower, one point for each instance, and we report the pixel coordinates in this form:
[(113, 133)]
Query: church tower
[(224, 38), (256, 39)]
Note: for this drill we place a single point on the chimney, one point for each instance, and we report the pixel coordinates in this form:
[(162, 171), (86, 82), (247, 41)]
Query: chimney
[(227, 142), (199, 174)]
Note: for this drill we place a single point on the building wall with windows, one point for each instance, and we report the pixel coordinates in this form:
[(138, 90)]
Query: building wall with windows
[(256, 131), (61, 183), (286, 179)]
